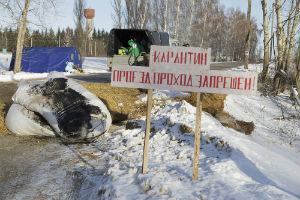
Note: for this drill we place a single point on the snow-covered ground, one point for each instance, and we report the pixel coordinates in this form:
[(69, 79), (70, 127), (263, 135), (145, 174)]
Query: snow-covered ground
[(90, 65), (263, 165)]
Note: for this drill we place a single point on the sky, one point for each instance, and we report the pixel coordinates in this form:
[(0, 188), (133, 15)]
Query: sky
[(103, 12), (256, 9), (65, 15)]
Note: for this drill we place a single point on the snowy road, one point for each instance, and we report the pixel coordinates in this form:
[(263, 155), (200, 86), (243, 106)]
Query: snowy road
[(30, 165)]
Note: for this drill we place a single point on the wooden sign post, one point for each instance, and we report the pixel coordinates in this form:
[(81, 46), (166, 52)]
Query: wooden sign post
[(147, 132), (182, 69), (197, 135)]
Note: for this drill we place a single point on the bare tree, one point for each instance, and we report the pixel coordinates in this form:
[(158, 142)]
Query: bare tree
[(272, 34), (67, 37), (296, 74), (131, 13), (81, 40), (285, 46), (161, 14), (20, 40), (18, 11), (190, 21), (165, 16), (155, 14), (266, 40), (288, 31), (137, 13), (117, 16), (135, 19), (143, 13), (292, 37), (177, 22), (128, 13), (247, 46), (280, 46), (204, 25)]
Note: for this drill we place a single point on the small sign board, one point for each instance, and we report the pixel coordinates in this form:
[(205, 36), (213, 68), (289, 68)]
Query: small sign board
[(210, 81), (179, 58)]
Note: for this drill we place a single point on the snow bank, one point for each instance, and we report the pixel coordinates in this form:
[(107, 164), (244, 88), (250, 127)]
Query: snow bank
[(90, 65), (232, 165), (95, 65)]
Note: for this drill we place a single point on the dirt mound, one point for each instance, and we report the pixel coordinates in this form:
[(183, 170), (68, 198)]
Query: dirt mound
[(212, 103), (3, 112), (6, 90), (119, 101), (230, 122)]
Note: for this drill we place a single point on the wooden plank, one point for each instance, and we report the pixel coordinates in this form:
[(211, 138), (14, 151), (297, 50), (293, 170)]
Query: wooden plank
[(197, 136), (147, 132)]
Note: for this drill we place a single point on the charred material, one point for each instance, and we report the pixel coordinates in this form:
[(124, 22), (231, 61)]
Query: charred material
[(72, 112)]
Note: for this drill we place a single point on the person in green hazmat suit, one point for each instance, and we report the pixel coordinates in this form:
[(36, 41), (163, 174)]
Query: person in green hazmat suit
[(135, 50)]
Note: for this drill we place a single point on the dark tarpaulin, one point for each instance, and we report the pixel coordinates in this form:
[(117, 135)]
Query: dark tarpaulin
[(47, 59)]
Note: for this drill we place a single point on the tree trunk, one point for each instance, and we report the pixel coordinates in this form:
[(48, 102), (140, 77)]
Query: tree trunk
[(165, 16), (287, 39), (177, 20), (292, 37), (20, 40), (247, 46), (279, 32), (266, 40), (296, 74), (117, 7), (128, 5), (202, 39), (272, 34), (189, 28), (144, 14)]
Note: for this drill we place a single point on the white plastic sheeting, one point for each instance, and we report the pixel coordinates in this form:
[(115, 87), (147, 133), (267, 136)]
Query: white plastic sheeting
[(59, 106)]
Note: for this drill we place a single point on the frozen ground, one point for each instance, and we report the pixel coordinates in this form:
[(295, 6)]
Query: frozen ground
[(263, 165)]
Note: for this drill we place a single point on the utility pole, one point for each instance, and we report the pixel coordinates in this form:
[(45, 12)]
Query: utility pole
[(31, 41), (247, 45)]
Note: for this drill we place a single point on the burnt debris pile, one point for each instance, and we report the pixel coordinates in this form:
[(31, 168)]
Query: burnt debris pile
[(60, 107)]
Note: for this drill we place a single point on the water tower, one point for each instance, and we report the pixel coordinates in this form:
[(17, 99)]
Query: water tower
[(89, 15)]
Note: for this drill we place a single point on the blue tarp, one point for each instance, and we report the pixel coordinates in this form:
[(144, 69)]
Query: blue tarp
[(47, 59)]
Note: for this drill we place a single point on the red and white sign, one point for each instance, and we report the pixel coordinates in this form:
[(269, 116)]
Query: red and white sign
[(211, 81), (183, 58), (183, 69)]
